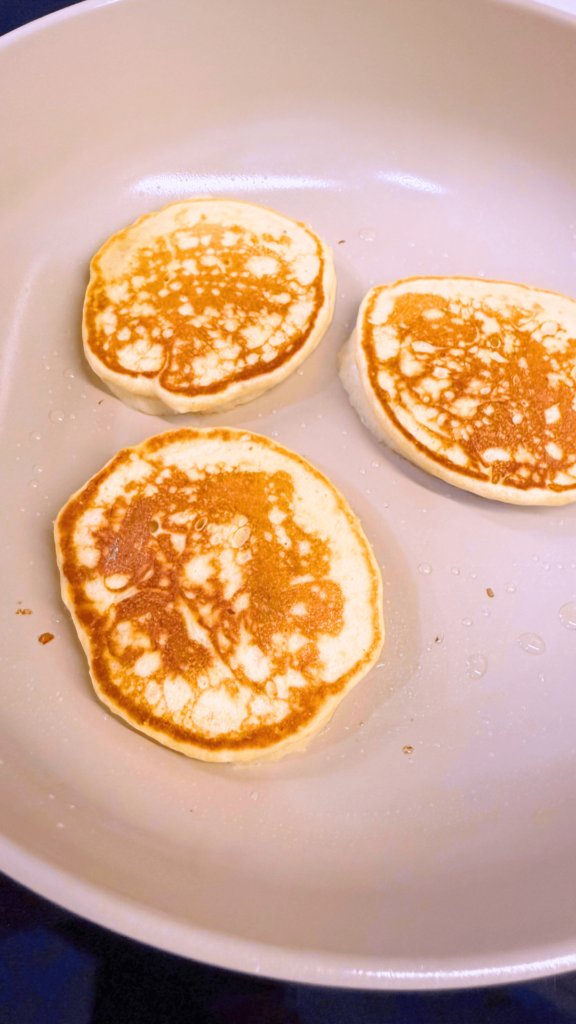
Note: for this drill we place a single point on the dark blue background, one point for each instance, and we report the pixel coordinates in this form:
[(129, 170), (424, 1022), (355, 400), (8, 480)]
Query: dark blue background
[(58, 969)]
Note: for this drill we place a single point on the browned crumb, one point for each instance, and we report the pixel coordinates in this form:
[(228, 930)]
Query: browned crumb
[(490, 592), (407, 750), (45, 638), (23, 611)]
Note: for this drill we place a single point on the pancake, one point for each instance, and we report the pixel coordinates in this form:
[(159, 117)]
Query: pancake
[(205, 304), (223, 590), (473, 381)]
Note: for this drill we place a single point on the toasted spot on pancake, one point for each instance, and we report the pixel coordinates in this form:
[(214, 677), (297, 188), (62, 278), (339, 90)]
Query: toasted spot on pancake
[(205, 304), (232, 629), (472, 380)]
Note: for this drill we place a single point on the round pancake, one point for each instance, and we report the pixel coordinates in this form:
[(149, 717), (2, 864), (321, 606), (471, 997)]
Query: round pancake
[(223, 590), (205, 304), (474, 381)]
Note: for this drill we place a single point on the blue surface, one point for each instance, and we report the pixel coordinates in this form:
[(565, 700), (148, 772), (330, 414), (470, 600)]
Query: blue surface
[(58, 969)]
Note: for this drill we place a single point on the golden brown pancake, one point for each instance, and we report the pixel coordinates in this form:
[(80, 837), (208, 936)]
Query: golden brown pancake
[(474, 381), (206, 304), (223, 590)]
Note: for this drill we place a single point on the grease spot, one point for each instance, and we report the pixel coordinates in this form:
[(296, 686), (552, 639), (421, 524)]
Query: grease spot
[(477, 665), (567, 615), (532, 643)]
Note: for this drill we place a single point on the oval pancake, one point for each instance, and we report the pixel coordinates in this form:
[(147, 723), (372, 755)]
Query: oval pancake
[(223, 590), (205, 304), (473, 381)]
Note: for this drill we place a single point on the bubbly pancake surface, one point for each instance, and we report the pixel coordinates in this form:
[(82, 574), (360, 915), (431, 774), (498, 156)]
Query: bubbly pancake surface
[(205, 303), (223, 590), (474, 381)]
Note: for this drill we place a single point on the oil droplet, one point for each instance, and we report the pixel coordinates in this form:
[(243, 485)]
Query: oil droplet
[(568, 615), (36, 436), (425, 569), (477, 666), (455, 571), (254, 796), (532, 643), (367, 235), (542, 677), (69, 374), (56, 416), (375, 464), (466, 622), (510, 587), (37, 469), (33, 484)]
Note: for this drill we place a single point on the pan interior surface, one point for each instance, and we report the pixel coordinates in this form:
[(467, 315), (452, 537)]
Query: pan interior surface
[(427, 837)]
